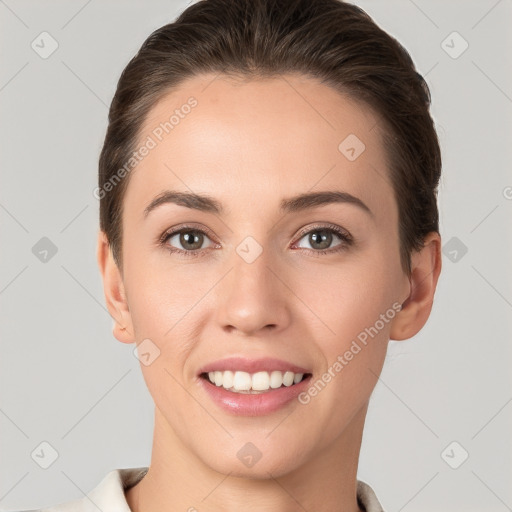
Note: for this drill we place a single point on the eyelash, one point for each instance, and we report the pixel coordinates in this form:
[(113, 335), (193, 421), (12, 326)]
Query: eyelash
[(345, 236)]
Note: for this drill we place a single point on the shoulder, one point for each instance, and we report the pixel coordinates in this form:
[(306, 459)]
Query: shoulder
[(107, 495), (367, 499)]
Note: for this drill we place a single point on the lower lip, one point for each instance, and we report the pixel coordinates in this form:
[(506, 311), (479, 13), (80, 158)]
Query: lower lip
[(257, 404)]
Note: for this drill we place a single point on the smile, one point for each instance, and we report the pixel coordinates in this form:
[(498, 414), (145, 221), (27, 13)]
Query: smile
[(253, 383)]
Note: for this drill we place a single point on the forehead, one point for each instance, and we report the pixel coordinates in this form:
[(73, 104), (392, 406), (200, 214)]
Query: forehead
[(248, 139)]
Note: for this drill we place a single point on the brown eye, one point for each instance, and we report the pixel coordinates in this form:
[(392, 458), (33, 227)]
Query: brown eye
[(186, 241), (189, 239), (320, 239)]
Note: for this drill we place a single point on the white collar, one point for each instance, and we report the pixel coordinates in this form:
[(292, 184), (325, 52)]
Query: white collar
[(109, 494)]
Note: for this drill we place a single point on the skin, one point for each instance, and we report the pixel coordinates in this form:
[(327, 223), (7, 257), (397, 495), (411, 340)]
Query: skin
[(249, 144)]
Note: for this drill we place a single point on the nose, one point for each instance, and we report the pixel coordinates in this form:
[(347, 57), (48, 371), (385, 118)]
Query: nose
[(254, 296)]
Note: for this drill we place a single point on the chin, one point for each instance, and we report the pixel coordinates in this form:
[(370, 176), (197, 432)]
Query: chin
[(262, 470), (258, 460)]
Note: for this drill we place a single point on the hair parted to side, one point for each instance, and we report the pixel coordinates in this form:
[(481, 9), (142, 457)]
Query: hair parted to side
[(330, 40)]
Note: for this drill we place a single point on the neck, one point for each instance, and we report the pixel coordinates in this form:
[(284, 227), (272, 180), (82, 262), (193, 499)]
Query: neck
[(178, 480)]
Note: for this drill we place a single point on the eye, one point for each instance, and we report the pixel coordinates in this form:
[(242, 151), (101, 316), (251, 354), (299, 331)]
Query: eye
[(187, 240), (320, 239)]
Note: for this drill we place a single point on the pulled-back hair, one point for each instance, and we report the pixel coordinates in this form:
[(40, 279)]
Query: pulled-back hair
[(330, 40)]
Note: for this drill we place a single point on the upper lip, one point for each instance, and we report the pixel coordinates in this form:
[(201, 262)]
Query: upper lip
[(252, 365)]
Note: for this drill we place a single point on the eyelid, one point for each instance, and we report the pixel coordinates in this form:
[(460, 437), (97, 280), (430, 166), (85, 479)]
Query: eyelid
[(191, 227), (341, 232)]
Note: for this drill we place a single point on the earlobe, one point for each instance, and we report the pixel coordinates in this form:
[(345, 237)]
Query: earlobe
[(426, 267), (115, 296)]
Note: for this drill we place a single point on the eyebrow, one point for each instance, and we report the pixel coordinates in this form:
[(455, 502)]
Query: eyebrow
[(297, 203)]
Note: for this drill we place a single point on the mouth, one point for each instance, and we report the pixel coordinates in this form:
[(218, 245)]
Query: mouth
[(243, 382), (253, 387)]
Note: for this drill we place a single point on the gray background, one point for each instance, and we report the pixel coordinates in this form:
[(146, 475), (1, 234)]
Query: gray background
[(67, 381)]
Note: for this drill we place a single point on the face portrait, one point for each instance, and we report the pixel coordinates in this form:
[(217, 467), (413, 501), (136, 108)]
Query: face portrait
[(253, 244), (257, 256)]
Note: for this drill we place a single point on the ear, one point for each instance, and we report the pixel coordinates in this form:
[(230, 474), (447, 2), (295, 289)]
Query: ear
[(113, 288), (425, 270)]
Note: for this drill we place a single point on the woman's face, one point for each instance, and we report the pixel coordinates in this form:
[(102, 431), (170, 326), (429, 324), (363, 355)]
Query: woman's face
[(260, 281)]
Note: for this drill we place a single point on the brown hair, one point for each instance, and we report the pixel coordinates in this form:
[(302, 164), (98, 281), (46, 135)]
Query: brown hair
[(333, 41)]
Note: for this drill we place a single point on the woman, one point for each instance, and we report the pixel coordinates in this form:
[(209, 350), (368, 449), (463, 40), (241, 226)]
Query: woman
[(268, 222)]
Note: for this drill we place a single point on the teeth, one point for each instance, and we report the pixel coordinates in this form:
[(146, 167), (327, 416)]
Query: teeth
[(227, 379), (288, 378), (260, 381), (243, 382), (276, 380)]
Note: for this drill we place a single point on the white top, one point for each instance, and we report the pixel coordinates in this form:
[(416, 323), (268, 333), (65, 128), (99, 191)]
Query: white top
[(108, 495)]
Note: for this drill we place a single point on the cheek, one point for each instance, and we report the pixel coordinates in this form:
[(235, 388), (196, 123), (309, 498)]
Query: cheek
[(167, 306), (160, 295), (355, 306), (161, 308), (335, 299), (347, 297)]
